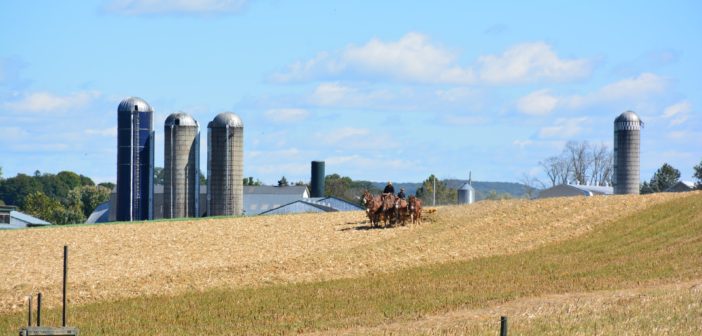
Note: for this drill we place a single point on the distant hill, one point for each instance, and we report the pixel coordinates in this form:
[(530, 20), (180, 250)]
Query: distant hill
[(482, 189)]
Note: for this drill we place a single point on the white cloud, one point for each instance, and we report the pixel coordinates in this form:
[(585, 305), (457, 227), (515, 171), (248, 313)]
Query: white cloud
[(412, 58), (346, 134), (632, 88), (283, 153), (339, 95), (529, 62), (457, 94), (373, 163), (537, 103), (415, 58), (106, 132), (286, 115), (678, 113), (47, 102), (141, 7), (563, 128), (522, 143)]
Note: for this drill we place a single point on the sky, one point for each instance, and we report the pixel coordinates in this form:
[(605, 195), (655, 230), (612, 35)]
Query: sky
[(379, 90)]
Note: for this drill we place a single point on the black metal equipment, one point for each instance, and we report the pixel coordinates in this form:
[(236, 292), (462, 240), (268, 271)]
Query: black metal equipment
[(29, 330)]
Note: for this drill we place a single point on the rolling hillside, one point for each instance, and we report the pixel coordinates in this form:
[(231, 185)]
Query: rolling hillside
[(329, 273)]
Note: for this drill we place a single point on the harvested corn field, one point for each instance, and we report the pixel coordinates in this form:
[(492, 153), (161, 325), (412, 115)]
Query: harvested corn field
[(109, 262)]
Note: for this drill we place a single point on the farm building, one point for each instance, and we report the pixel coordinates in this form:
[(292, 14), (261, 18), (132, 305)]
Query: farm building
[(10, 218), (567, 190), (314, 204), (257, 200), (682, 186)]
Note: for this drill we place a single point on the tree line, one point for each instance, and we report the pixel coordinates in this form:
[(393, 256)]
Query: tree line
[(63, 198), (592, 164), (580, 163)]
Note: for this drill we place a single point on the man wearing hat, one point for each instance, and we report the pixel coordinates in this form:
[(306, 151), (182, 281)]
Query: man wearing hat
[(389, 189)]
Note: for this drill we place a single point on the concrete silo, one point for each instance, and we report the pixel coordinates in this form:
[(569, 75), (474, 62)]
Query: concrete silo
[(181, 182), (317, 180), (627, 145), (135, 160), (225, 165)]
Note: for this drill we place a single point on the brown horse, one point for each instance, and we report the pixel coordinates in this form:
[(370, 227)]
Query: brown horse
[(401, 210), (415, 209), (373, 206), (388, 208)]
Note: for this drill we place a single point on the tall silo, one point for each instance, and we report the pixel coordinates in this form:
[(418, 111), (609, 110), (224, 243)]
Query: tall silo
[(181, 182), (627, 145), (135, 160), (225, 167), (317, 180)]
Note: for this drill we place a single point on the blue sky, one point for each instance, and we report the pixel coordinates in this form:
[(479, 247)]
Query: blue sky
[(378, 89)]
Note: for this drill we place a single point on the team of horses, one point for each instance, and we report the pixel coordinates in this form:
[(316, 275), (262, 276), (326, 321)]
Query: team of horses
[(391, 209)]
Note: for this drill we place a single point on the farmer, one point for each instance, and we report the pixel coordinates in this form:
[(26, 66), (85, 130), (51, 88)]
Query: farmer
[(401, 194), (389, 189)]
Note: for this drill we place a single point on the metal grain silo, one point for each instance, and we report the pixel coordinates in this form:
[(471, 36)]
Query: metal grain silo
[(466, 194), (135, 160), (181, 182), (317, 180), (225, 165), (627, 143)]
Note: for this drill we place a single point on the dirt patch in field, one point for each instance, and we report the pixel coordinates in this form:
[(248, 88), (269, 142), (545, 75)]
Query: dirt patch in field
[(109, 262)]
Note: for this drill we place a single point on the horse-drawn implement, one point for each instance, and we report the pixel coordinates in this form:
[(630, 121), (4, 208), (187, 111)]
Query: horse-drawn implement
[(391, 209)]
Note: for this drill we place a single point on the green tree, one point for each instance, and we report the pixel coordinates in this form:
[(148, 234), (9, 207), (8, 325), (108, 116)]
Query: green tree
[(41, 206), (645, 188), (336, 185), (109, 185), (494, 195), (159, 175), (444, 194), (14, 190), (86, 198), (283, 182), (249, 181), (665, 177), (698, 175)]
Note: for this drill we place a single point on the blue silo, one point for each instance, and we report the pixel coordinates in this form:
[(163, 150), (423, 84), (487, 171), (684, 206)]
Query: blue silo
[(135, 160)]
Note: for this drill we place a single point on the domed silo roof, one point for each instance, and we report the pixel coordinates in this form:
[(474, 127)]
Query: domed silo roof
[(134, 104), (180, 119), (628, 121), (225, 119), (628, 116), (466, 186)]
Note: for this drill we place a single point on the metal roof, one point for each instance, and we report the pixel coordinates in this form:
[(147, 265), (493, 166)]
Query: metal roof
[(225, 119), (299, 206), (275, 190), (134, 103), (466, 186), (101, 214), (180, 119), (335, 203), (564, 190), (27, 219)]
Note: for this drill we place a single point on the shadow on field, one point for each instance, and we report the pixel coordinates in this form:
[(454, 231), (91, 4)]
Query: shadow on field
[(365, 226)]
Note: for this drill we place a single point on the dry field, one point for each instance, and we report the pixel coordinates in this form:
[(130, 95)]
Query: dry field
[(109, 262)]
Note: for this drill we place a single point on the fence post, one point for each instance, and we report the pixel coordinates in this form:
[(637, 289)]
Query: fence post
[(503, 325)]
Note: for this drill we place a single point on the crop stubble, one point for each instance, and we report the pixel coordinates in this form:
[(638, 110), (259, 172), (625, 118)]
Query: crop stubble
[(109, 262)]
